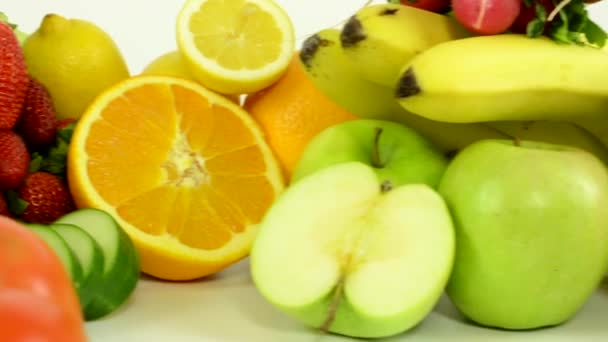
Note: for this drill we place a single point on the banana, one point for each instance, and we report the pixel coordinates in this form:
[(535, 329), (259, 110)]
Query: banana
[(597, 127), (556, 132), (505, 77), (380, 38), (333, 73)]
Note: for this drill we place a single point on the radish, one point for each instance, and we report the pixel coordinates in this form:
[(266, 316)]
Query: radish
[(486, 17)]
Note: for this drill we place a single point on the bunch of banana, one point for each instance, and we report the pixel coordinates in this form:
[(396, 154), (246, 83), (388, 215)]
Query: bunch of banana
[(334, 74), (421, 69)]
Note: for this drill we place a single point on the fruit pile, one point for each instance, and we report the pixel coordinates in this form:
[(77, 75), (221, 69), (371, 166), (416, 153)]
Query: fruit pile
[(33, 142), (425, 147)]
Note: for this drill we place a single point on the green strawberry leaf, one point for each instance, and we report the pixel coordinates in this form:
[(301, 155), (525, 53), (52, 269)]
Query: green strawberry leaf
[(36, 160), (66, 132), (15, 204), (56, 158)]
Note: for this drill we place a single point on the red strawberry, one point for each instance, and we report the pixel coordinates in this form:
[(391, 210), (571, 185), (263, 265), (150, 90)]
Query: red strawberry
[(3, 206), (14, 160), (37, 123), (48, 198), (13, 77)]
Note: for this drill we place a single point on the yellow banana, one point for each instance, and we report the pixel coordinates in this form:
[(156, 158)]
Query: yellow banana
[(556, 132), (380, 38), (505, 77), (333, 73), (597, 127)]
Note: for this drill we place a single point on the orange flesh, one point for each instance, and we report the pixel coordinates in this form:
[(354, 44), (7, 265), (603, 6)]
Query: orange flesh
[(189, 168)]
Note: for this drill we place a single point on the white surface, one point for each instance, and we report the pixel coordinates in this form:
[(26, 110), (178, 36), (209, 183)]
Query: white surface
[(227, 307)]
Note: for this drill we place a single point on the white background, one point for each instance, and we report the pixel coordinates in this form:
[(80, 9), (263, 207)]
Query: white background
[(226, 307)]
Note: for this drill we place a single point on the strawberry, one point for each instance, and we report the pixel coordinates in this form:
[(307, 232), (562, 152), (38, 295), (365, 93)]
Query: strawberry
[(13, 77), (14, 162), (47, 197), (3, 206), (37, 125)]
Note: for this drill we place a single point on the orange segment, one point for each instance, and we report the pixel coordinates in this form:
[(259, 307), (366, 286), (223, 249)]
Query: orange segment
[(186, 172)]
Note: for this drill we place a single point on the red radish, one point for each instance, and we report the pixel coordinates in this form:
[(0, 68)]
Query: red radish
[(486, 17), (437, 6)]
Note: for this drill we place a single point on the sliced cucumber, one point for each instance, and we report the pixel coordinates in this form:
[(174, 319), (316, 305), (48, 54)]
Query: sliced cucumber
[(89, 253), (62, 250), (121, 267)]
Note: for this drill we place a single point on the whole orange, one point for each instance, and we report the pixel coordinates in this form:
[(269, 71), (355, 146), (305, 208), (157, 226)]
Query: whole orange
[(291, 112)]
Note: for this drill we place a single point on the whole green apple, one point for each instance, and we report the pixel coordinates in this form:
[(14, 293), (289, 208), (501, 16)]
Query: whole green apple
[(345, 252), (397, 153), (531, 224)]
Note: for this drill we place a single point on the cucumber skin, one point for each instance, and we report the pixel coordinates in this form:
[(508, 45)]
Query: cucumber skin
[(117, 286), (90, 285)]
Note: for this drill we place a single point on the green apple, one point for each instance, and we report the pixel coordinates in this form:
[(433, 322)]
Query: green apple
[(531, 224), (396, 152), (346, 252)]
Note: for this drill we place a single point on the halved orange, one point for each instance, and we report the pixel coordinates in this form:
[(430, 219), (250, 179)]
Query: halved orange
[(186, 172)]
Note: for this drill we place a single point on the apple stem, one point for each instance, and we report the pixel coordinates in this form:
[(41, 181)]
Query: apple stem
[(333, 306), (386, 186), (376, 149)]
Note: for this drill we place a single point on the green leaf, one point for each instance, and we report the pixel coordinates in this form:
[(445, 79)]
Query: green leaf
[(36, 161), (15, 204), (595, 35), (559, 28), (535, 28), (66, 132), (541, 12), (528, 3), (56, 158)]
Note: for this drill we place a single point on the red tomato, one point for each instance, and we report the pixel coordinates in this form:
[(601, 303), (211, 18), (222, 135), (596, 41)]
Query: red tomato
[(437, 6), (35, 288), (25, 316)]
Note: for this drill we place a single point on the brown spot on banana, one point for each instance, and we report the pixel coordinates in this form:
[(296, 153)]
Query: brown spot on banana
[(407, 85), (310, 47), (352, 32)]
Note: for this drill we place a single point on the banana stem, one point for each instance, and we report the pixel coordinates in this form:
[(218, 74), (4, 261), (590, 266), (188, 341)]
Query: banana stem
[(376, 162)]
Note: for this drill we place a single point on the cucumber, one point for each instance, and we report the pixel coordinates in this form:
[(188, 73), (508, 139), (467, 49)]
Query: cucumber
[(62, 250), (89, 253), (121, 267)]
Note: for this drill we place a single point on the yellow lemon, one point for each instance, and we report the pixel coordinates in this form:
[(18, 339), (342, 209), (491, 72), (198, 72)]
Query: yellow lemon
[(172, 64), (75, 59), (235, 47)]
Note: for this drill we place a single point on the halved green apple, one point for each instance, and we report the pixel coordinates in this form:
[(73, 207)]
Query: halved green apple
[(343, 251)]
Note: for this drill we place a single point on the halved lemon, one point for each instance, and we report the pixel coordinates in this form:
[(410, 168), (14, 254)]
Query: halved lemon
[(235, 46), (186, 172)]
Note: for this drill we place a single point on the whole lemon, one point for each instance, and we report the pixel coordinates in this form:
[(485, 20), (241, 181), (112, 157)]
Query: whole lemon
[(169, 64), (75, 59), (172, 63)]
